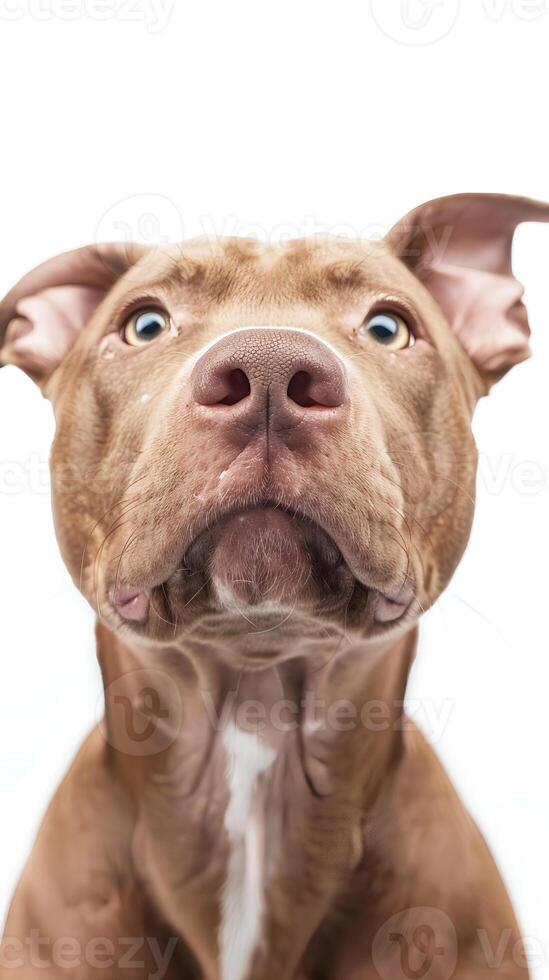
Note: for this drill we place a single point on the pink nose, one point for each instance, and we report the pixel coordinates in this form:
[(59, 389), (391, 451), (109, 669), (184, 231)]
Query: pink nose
[(269, 376)]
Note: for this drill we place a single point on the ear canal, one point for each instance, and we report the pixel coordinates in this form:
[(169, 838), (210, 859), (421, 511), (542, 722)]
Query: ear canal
[(42, 316), (460, 247)]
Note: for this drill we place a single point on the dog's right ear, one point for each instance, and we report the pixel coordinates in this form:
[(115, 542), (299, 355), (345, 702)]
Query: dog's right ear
[(460, 247), (42, 316)]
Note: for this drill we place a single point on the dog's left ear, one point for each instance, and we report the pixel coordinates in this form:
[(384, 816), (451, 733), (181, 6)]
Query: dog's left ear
[(460, 247), (42, 316)]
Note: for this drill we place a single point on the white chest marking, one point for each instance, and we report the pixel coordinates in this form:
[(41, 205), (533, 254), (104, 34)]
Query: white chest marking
[(242, 899)]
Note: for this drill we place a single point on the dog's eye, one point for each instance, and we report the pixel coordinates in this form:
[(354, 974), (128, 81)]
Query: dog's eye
[(145, 326), (388, 329)]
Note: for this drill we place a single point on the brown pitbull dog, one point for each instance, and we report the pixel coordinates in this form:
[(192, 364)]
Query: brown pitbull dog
[(263, 473)]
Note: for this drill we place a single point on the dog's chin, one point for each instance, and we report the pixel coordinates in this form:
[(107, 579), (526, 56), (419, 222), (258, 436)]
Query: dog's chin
[(258, 571), (267, 559)]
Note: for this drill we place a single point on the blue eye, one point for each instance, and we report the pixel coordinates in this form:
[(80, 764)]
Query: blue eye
[(387, 329), (145, 326)]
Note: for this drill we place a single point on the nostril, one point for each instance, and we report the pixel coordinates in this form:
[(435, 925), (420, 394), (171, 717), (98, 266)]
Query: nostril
[(323, 387), (238, 387), (299, 390)]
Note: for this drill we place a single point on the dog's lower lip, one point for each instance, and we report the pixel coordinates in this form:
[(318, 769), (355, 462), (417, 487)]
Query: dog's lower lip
[(390, 608), (131, 604), (330, 557), (325, 548)]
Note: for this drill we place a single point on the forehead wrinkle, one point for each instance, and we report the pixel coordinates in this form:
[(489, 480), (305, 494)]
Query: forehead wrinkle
[(182, 272), (248, 272)]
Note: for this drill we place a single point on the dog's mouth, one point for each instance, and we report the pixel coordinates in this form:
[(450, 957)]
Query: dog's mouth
[(267, 554), (265, 561)]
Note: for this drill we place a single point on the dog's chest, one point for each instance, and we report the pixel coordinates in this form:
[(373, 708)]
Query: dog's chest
[(249, 762), (225, 861), (213, 856)]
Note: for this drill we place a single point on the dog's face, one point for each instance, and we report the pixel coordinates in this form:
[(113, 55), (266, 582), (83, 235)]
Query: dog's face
[(257, 444)]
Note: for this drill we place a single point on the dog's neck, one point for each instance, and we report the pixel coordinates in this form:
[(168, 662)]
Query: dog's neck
[(159, 700), (203, 748)]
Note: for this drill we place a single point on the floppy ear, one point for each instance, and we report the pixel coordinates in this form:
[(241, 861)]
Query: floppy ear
[(460, 247), (42, 316)]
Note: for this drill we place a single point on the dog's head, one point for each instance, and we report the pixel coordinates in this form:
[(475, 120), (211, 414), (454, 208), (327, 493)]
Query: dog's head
[(256, 443)]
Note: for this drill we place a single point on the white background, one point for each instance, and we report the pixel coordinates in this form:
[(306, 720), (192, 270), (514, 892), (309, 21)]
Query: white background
[(154, 122)]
